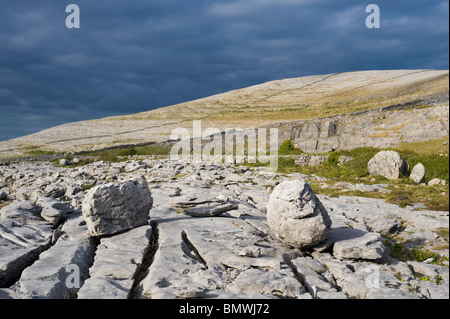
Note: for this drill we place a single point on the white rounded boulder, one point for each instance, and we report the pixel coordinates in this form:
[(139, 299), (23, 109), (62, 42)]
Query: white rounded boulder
[(296, 216)]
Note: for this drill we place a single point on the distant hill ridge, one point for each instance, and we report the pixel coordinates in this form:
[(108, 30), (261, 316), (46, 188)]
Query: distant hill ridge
[(320, 113)]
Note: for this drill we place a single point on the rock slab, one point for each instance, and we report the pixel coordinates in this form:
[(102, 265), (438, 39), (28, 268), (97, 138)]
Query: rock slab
[(116, 262), (360, 245), (203, 207)]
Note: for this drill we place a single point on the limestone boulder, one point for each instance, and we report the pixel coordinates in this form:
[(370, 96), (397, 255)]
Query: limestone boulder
[(64, 162), (436, 181), (418, 174), (296, 216), (116, 207), (3, 195), (388, 164)]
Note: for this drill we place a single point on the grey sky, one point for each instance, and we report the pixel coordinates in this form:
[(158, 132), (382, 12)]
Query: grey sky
[(135, 55)]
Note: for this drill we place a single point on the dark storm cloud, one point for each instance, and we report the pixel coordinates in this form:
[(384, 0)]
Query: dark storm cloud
[(132, 56)]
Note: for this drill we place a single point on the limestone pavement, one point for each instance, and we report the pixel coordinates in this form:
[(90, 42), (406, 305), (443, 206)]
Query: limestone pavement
[(232, 253)]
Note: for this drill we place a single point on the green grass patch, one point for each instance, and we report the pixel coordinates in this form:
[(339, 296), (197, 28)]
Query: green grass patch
[(437, 280), (443, 232), (347, 172), (434, 198), (400, 252), (403, 191), (436, 166), (428, 147), (432, 154), (36, 151), (117, 155), (127, 152), (87, 186), (287, 148), (156, 149)]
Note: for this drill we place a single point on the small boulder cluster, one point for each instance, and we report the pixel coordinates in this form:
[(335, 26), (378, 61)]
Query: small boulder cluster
[(391, 165)]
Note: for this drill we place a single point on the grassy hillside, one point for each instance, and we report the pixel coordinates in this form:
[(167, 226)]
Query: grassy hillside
[(264, 104), (304, 98)]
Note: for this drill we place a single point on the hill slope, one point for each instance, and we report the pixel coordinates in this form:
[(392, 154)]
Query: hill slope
[(266, 104)]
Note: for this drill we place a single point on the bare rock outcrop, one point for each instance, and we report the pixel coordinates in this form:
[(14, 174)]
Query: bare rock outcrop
[(230, 256)]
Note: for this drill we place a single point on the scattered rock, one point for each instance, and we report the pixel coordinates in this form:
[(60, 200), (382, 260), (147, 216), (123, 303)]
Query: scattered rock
[(64, 162), (296, 216), (53, 210), (3, 195), (113, 208), (54, 191), (135, 165), (418, 174), (281, 283), (310, 160), (437, 181), (203, 207), (359, 245), (388, 164), (42, 238), (72, 191)]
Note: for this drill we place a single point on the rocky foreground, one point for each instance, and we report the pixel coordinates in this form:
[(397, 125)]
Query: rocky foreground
[(210, 233)]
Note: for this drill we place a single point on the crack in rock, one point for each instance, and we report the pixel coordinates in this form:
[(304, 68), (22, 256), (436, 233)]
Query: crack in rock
[(143, 268), (190, 250)]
